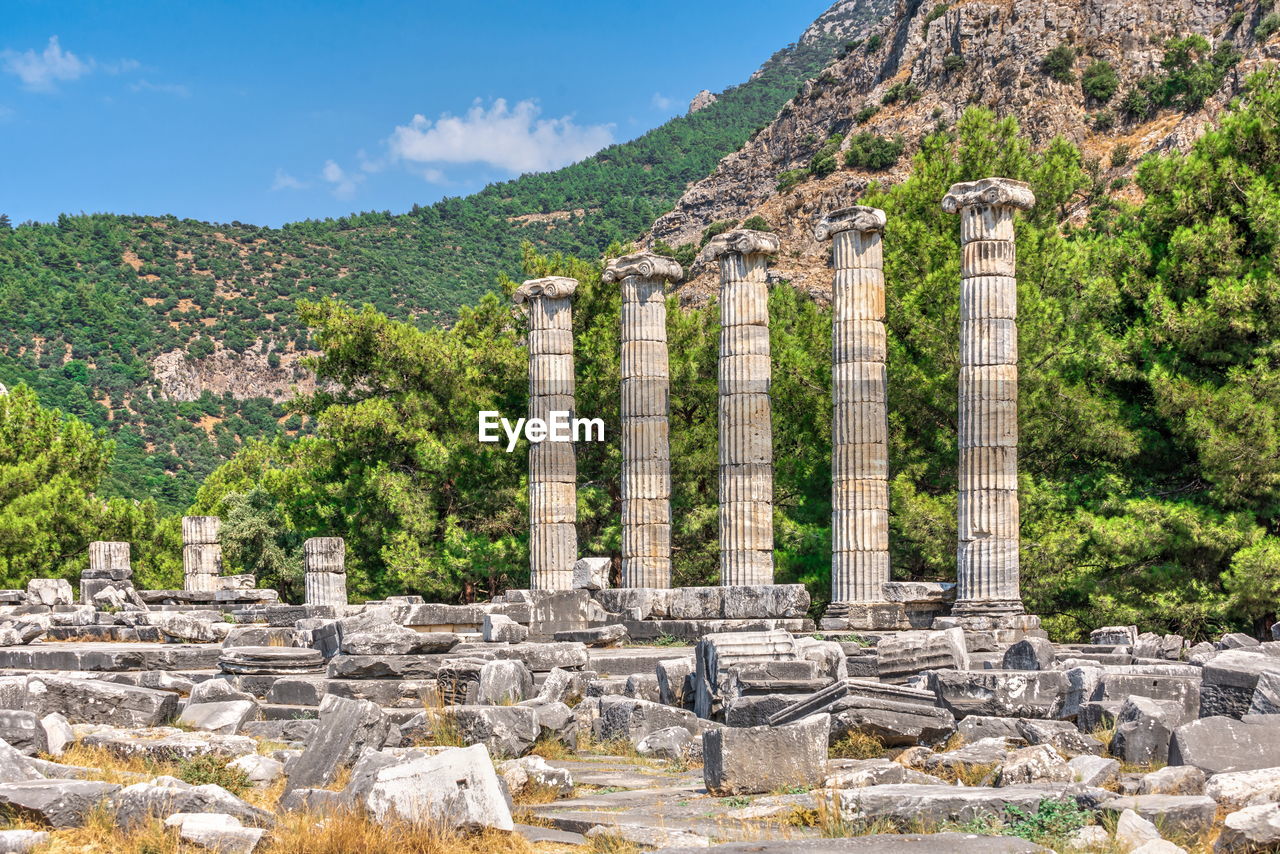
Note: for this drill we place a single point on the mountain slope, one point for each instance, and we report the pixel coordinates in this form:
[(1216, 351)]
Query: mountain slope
[(180, 337), (1101, 73)]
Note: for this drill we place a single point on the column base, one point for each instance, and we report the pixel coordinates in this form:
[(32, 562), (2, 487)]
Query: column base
[(996, 608), (871, 616), (989, 632)]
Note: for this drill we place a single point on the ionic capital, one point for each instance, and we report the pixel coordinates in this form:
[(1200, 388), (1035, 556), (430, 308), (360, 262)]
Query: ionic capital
[(743, 241), (989, 192), (646, 265), (855, 218), (552, 287)]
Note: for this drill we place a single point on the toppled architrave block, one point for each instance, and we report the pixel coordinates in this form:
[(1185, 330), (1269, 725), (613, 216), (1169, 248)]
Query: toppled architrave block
[(499, 628), (346, 728), (905, 654), (739, 761), (716, 653), (1221, 744), (98, 701), (896, 715), (456, 788)]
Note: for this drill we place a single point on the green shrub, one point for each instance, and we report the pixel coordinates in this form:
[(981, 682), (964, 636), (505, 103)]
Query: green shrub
[(902, 91), (952, 62), (1104, 120), (1052, 820), (1120, 155), (936, 12), (1100, 81), (717, 228), (1235, 21), (869, 151), (1267, 27), (1060, 63), (758, 223), (873, 43), (200, 770), (824, 161), (790, 178), (865, 114)]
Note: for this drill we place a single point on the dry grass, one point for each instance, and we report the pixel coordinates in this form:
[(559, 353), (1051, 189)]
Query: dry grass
[(552, 748), (962, 773), (345, 832), (100, 835), (534, 794), (109, 767), (856, 745), (610, 844)]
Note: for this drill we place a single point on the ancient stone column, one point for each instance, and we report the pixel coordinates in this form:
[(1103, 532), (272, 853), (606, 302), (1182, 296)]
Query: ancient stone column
[(553, 494), (108, 563), (746, 425), (646, 447), (324, 571), (201, 552), (987, 557), (859, 424)]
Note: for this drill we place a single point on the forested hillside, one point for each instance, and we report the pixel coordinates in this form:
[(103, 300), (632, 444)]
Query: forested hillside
[(181, 337), (1149, 383)]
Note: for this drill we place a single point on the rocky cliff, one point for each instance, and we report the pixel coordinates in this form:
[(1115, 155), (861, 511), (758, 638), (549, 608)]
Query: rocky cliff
[(923, 64)]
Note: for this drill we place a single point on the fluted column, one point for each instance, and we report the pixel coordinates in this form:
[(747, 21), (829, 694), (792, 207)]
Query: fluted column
[(746, 413), (646, 447), (324, 571), (201, 552), (859, 424), (108, 563), (553, 495), (987, 556)]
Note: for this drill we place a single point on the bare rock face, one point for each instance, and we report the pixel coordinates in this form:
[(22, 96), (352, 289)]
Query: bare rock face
[(245, 375), (984, 53), (701, 100)]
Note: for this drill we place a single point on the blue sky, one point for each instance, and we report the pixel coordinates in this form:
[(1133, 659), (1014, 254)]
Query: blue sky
[(269, 112)]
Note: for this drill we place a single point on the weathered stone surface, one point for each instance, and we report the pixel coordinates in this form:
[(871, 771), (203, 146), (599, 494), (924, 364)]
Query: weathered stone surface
[(929, 843), (50, 592), (1002, 693), (1133, 831), (1094, 770), (876, 772), (762, 759), (1231, 678), (1036, 764), (1173, 780), (58, 733), (1061, 735), (1190, 814), (55, 803), (164, 744), (454, 788), (1244, 788), (95, 701), (504, 683), (601, 636), (224, 716), (1143, 732), (632, 719), (716, 655), (15, 767), (672, 742), (904, 654), (166, 796), (1252, 830), (270, 659), (1219, 744), (591, 573), (395, 639), (1114, 636), (216, 832), (533, 772), (933, 805), (1029, 654), (185, 627), (23, 731), (346, 728), (1266, 695), (22, 841), (261, 770), (507, 731), (499, 628)]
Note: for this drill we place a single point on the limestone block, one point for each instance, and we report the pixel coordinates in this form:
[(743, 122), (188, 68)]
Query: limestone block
[(49, 592), (200, 530), (763, 759)]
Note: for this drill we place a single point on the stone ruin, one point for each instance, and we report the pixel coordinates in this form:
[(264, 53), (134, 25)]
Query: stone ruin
[(909, 705)]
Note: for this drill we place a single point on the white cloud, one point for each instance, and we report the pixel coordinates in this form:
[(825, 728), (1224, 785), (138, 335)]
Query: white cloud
[(661, 101), (176, 89), (514, 139), (5, 113), (40, 71), (344, 183), (285, 181)]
